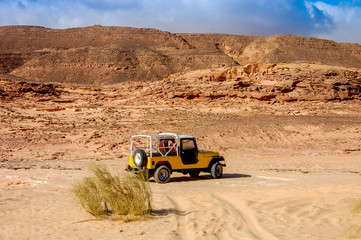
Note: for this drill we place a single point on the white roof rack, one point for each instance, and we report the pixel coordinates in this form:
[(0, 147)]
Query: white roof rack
[(159, 135)]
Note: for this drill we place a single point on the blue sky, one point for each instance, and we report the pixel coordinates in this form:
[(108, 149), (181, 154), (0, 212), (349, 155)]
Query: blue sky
[(335, 20)]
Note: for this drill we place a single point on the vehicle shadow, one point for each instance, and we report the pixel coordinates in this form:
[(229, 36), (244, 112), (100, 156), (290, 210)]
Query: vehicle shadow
[(204, 177), (166, 212), (235, 175)]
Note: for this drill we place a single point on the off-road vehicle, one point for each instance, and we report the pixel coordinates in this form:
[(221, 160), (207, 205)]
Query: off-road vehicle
[(164, 153)]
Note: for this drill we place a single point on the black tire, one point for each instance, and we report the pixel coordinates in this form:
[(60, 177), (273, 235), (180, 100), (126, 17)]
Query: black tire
[(162, 174), (139, 158), (194, 173), (217, 170)]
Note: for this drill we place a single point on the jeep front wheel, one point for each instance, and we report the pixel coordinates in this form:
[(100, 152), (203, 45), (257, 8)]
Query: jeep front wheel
[(217, 170), (162, 174)]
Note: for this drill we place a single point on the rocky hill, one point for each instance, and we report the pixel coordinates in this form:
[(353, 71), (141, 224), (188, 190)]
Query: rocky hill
[(107, 55), (279, 49)]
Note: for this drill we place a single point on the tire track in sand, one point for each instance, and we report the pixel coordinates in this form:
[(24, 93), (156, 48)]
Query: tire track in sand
[(242, 213), (181, 230), (215, 218)]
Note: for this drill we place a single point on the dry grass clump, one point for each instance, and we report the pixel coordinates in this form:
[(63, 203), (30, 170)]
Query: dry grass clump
[(126, 197), (355, 231), (357, 208)]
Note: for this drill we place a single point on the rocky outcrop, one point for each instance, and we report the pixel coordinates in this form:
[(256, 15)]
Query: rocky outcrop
[(10, 88), (270, 83)]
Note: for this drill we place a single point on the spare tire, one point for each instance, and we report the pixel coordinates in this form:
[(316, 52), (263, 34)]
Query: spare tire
[(139, 158)]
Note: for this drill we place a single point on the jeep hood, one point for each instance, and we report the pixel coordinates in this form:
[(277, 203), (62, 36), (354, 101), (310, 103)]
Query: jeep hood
[(209, 153)]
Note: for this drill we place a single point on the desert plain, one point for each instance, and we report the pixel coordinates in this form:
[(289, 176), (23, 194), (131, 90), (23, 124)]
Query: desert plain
[(290, 134)]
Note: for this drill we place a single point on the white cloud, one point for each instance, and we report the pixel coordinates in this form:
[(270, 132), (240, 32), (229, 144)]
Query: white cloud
[(338, 13), (310, 9), (346, 20)]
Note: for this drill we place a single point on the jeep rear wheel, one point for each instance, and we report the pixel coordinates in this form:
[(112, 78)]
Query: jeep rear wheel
[(139, 158), (162, 174), (217, 170)]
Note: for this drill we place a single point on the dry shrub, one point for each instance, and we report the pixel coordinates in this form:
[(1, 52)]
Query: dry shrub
[(357, 208), (127, 197), (355, 231)]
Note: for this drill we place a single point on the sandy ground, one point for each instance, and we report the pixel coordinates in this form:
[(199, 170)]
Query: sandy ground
[(293, 170), (258, 198)]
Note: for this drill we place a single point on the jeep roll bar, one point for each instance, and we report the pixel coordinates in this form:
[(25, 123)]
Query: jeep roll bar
[(153, 141)]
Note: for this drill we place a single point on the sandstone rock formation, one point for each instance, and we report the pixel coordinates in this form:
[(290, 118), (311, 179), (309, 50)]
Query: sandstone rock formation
[(12, 88), (267, 82)]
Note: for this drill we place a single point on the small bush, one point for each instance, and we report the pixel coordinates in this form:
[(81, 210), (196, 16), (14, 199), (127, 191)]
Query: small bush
[(127, 197), (355, 231), (357, 208)]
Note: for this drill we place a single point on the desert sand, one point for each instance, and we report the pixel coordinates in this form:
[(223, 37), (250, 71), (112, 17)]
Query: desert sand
[(293, 167), (259, 198)]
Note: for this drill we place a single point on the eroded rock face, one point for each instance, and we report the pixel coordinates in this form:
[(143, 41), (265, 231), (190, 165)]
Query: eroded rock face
[(10, 88), (271, 82), (260, 82), (107, 55)]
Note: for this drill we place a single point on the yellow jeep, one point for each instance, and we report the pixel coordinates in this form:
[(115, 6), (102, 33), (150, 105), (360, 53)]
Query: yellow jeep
[(165, 153)]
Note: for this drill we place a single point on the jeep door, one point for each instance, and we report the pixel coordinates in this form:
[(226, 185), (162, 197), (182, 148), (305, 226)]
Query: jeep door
[(189, 151)]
